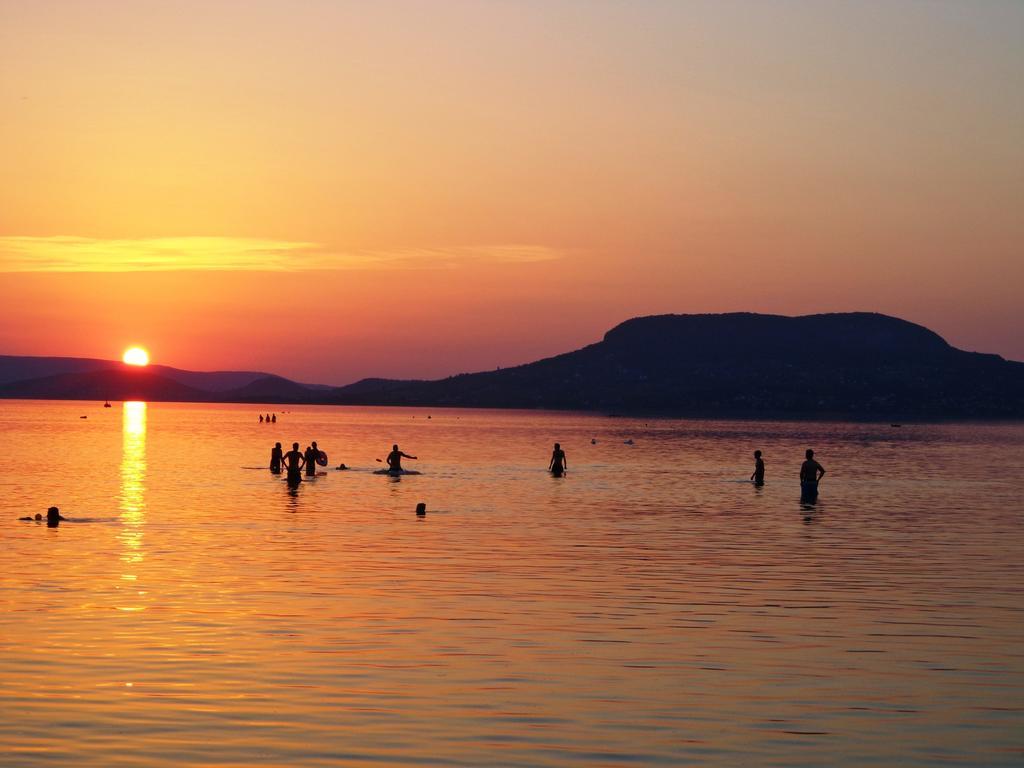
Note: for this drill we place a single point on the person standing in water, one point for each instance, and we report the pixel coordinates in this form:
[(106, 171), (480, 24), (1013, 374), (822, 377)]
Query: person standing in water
[(293, 462), (395, 459), (273, 418), (811, 473), (758, 476), (261, 418), (310, 459), (558, 463), (275, 459)]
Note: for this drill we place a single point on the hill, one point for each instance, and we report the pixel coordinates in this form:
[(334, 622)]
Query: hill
[(124, 384), (68, 378), (849, 365), (23, 368), (858, 365)]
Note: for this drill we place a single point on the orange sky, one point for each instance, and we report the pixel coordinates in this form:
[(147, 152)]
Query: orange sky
[(330, 190)]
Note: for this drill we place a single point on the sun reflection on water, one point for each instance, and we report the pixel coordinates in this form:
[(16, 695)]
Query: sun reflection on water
[(623, 614), (133, 488)]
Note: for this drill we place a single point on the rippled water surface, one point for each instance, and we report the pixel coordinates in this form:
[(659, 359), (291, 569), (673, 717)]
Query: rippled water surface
[(650, 608)]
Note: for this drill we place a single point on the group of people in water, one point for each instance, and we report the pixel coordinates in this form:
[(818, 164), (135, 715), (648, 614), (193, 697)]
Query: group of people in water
[(811, 473), (295, 462), (270, 418)]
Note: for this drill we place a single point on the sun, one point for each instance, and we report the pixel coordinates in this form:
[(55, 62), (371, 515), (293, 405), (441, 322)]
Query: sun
[(136, 356)]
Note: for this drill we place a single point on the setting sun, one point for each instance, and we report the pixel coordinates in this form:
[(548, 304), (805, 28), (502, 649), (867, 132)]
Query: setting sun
[(136, 356)]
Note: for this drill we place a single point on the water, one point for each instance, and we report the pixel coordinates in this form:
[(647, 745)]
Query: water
[(650, 608)]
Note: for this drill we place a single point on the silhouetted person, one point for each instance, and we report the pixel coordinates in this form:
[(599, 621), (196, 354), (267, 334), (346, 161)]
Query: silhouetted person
[(293, 462), (268, 418), (276, 458), (261, 418), (558, 463), (53, 517), (810, 473), (311, 456), (273, 417), (395, 459), (758, 476)]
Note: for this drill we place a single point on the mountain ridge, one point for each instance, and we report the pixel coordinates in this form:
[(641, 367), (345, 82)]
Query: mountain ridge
[(847, 365)]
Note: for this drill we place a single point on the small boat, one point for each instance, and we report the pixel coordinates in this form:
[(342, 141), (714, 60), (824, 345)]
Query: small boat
[(106, 404)]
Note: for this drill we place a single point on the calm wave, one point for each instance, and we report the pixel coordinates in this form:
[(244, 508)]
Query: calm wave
[(650, 608)]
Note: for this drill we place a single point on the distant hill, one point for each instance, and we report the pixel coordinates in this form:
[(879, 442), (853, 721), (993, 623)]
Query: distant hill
[(90, 379), (271, 389), (210, 381), (124, 384), (376, 387), (24, 368), (850, 365), (858, 365)]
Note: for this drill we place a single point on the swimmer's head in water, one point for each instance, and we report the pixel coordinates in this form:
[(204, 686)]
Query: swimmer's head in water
[(53, 513), (757, 454), (38, 516), (809, 454)]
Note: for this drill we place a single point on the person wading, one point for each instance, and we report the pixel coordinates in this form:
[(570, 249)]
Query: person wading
[(293, 462)]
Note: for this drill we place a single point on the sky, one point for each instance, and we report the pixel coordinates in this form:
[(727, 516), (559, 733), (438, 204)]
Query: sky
[(333, 190)]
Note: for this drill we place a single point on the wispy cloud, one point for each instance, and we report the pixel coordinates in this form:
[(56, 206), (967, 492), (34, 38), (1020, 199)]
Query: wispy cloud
[(165, 254)]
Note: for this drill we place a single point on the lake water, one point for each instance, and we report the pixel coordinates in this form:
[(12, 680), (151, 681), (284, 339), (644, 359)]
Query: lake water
[(650, 608)]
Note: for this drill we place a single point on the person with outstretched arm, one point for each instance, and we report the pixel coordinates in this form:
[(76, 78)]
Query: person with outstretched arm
[(811, 473), (394, 460)]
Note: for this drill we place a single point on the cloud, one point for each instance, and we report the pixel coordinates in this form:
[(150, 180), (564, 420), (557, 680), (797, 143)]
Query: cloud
[(165, 254)]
